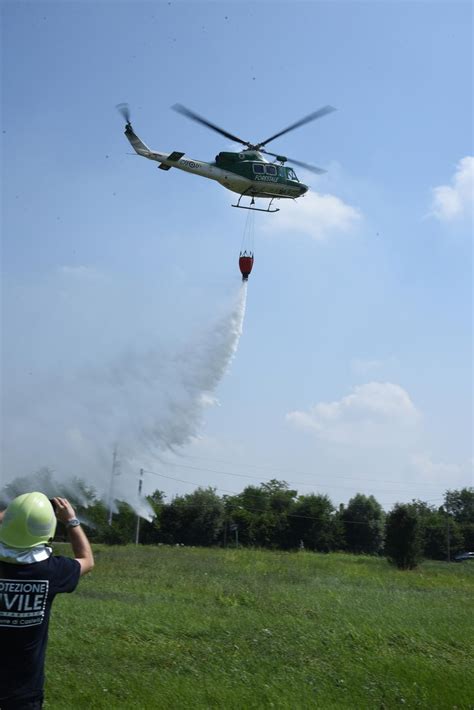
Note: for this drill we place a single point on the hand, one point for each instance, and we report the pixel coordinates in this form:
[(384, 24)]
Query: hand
[(63, 509)]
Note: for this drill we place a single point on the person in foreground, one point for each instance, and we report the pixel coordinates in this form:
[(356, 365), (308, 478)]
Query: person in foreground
[(30, 578)]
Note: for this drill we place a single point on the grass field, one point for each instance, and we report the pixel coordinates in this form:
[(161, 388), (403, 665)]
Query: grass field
[(166, 627)]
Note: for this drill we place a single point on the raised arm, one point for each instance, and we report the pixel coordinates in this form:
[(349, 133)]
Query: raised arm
[(81, 548), (2, 513)]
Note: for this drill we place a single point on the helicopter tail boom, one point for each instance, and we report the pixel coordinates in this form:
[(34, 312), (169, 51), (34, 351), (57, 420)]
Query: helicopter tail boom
[(142, 149), (137, 145)]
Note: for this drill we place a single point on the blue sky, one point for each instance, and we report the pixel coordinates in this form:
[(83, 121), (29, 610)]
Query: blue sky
[(354, 368)]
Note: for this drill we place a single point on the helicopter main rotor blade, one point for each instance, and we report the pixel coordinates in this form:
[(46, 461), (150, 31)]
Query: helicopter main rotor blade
[(124, 109), (306, 166), (199, 119), (312, 117)]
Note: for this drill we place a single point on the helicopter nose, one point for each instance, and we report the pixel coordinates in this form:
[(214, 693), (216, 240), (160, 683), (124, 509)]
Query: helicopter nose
[(303, 189)]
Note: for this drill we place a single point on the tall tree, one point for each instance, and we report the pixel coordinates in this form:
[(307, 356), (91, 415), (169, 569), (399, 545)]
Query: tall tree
[(363, 524), (441, 535), (261, 513), (193, 519), (403, 537), (314, 524), (460, 505)]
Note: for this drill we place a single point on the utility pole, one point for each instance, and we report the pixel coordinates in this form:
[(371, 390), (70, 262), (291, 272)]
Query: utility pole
[(113, 473), (235, 529), (140, 484), (448, 539)]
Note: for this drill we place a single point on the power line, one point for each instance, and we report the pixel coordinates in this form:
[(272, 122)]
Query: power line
[(255, 467), (258, 510), (259, 478)]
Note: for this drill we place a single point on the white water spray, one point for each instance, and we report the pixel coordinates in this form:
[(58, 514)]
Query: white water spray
[(145, 402)]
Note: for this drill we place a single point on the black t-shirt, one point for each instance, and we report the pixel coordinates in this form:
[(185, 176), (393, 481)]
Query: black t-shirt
[(26, 595)]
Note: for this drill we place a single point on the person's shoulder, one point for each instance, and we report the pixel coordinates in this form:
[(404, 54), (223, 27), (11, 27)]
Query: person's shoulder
[(59, 563), (64, 573), (62, 560)]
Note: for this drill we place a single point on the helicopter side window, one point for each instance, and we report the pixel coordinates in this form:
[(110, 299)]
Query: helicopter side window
[(291, 175), (258, 168), (271, 169)]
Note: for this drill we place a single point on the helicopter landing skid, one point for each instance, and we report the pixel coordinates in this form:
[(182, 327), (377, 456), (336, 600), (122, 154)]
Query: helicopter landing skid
[(256, 209)]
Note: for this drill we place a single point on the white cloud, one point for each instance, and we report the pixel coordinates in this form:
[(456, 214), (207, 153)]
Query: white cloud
[(435, 471), (454, 201), (374, 414), (318, 216)]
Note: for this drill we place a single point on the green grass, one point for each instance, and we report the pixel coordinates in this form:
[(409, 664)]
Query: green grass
[(165, 627)]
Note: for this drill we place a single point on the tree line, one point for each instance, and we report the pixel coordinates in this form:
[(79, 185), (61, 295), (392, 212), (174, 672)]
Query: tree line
[(272, 515)]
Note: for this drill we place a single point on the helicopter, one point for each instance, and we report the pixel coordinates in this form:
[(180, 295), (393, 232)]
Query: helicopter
[(248, 173)]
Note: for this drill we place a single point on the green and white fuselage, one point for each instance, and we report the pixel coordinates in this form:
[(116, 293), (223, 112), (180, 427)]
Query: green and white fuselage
[(246, 172)]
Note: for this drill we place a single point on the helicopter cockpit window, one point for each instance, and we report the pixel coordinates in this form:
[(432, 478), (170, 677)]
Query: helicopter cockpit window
[(258, 168), (271, 169), (291, 175)]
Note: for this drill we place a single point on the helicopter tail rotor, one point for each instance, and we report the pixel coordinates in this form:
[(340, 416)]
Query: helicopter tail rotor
[(124, 110), (138, 145)]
